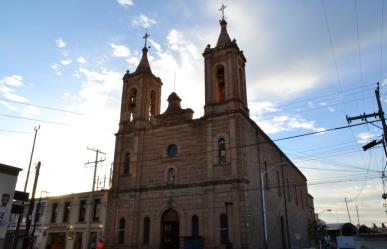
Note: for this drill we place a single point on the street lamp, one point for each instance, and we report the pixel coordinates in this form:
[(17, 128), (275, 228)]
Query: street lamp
[(263, 198), (325, 210)]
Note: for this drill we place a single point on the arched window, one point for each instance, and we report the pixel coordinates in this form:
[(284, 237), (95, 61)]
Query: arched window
[(220, 84), (221, 151), (146, 230), (223, 229), (121, 231), (132, 98), (171, 176), (152, 106), (195, 226), (127, 163)]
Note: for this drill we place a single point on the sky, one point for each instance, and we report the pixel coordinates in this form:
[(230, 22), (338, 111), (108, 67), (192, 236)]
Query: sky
[(309, 64)]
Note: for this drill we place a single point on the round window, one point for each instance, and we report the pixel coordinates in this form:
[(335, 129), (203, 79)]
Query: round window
[(172, 150)]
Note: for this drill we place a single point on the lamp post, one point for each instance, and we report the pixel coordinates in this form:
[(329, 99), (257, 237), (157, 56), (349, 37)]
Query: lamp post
[(36, 218), (264, 201), (323, 211)]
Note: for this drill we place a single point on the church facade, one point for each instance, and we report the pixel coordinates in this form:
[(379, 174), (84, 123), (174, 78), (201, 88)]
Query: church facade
[(213, 182)]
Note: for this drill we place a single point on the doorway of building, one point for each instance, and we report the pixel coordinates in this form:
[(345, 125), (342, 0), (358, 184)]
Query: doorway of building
[(56, 241), (170, 230)]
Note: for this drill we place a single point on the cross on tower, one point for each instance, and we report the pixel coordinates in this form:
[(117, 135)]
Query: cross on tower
[(145, 37), (222, 10)]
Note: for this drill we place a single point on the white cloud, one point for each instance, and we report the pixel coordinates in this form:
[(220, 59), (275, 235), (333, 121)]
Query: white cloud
[(60, 43), (29, 111), (6, 88), (143, 21), (57, 69), (125, 3), (65, 62), (331, 109), (262, 107), (120, 50), (364, 137), (286, 122), (291, 83), (311, 104), (280, 122), (81, 60), (15, 97), (7, 105), (133, 61), (13, 80), (155, 45), (322, 103)]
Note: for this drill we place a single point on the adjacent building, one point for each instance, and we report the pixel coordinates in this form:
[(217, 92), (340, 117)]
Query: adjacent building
[(8, 179), (217, 181), (61, 221)]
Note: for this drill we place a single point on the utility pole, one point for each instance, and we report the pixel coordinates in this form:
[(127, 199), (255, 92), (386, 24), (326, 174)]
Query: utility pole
[(36, 218), (91, 197), (383, 141), (349, 216), (380, 115), (20, 217), (27, 238), (358, 220)]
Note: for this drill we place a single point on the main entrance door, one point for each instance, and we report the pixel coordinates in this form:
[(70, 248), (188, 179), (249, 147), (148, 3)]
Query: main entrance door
[(170, 230)]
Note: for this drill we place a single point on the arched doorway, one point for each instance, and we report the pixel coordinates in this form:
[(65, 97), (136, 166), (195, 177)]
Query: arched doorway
[(170, 230)]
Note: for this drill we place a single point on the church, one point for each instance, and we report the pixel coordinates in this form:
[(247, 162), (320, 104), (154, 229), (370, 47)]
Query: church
[(217, 181)]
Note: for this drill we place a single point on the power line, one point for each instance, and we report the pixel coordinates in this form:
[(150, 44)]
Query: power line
[(312, 110), (41, 106), (15, 131), (381, 43), (33, 119), (323, 131)]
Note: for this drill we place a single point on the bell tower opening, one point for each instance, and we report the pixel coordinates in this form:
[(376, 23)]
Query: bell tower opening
[(220, 84), (152, 105), (132, 103)]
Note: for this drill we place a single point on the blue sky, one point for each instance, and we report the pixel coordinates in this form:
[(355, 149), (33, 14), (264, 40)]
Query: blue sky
[(306, 69)]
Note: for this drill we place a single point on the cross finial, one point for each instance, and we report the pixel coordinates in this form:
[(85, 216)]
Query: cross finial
[(222, 7), (145, 37)]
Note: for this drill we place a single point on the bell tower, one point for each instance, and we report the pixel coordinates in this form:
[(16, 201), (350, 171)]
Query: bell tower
[(140, 96), (225, 78)]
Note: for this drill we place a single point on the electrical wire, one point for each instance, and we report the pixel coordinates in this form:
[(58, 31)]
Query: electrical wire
[(41, 106), (34, 119)]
